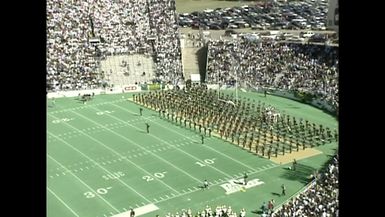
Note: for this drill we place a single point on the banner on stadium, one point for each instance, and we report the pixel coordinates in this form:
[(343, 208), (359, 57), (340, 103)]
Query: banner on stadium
[(131, 88), (153, 86)]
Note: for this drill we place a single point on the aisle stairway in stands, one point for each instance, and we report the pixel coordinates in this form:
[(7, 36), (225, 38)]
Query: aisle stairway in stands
[(189, 58), (128, 69)]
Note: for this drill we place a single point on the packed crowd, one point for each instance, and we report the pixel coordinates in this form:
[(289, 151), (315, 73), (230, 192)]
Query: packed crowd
[(167, 43), (295, 67), (82, 33), (321, 199), (252, 125), (219, 211)]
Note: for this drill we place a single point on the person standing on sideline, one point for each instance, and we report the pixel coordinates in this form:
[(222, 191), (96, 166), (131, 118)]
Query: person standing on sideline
[(132, 213), (294, 164), (148, 128), (283, 190), (140, 111), (245, 176), (205, 184), (203, 139)]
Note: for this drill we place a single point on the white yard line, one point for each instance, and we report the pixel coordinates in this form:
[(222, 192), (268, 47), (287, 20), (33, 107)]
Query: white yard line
[(139, 146), (97, 164), (154, 121), (67, 135), (111, 158), (117, 153), (192, 156), (64, 203), (85, 184), (86, 106), (189, 138), (218, 183)]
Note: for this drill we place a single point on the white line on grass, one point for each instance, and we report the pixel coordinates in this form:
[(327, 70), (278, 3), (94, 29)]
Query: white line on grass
[(192, 156), (139, 146), (118, 154), (85, 184), (57, 197), (82, 107), (219, 183), (189, 138), (96, 163)]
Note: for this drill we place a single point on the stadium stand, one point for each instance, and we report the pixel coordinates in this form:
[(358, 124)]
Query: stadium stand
[(321, 199), (80, 34), (293, 67), (93, 43)]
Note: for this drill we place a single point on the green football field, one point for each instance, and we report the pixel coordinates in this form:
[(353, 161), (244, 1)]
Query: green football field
[(101, 162)]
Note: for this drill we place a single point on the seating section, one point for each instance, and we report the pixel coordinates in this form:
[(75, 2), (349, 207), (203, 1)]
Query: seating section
[(81, 34)]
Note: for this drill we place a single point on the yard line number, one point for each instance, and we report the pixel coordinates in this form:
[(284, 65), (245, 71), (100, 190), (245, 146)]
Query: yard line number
[(155, 175), (205, 162), (99, 191)]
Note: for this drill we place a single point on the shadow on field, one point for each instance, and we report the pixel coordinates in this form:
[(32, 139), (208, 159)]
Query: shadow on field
[(259, 212), (302, 173), (275, 194)]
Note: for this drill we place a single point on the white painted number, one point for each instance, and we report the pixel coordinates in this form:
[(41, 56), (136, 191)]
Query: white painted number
[(58, 121), (159, 175), (209, 161), (205, 162), (104, 112), (148, 178), (156, 175), (90, 194), (102, 191), (200, 164)]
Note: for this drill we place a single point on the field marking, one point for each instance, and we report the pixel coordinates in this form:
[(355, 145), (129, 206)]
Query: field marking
[(86, 106), (219, 183), (113, 158), (117, 153), (188, 138), (141, 210), (64, 203), (100, 129), (96, 163), (192, 156), (136, 144), (85, 184)]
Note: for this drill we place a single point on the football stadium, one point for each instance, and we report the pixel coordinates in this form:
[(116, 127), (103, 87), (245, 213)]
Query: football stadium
[(181, 108)]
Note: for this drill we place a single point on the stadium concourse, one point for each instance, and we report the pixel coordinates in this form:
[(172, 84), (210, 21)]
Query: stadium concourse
[(157, 144)]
